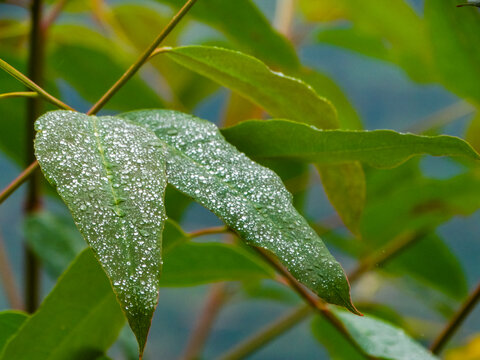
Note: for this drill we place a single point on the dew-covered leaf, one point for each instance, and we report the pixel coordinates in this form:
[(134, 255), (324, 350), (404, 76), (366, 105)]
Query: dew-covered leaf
[(79, 319), (111, 175), (200, 263), (10, 322), (280, 95), (378, 148), (248, 197)]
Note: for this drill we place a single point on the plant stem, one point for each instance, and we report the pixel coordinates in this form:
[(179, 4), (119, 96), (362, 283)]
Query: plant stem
[(132, 70), (18, 94), (209, 231), (457, 320), (15, 184), (265, 335), (8, 279), (213, 305), (53, 14), (33, 86), (33, 201)]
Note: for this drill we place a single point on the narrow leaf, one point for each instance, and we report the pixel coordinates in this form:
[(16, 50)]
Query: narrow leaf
[(111, 175), (378, 148), (79, 319), (248, 197), (10, 322)]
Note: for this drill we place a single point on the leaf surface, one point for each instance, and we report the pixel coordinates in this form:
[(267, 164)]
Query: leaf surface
[(10, 322), (248, 197), (79, 319), (378, 148), (111, 175)]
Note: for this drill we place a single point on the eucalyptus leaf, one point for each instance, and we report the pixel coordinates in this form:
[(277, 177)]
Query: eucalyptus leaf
[(378, 148), (10, 323), (248, 197), (111, 175), (79, 319)]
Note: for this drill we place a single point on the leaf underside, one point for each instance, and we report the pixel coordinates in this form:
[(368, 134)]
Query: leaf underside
[(111, 175), (249, 198)]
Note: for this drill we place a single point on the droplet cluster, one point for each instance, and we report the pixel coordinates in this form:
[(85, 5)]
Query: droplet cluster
[(111, 175), (250, 198)]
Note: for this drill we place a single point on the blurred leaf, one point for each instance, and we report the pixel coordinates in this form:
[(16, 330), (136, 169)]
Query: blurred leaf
[(374, 336), (194, 264), (322, 10), (79, 319), (345, 187), (248, 197), (173, 236), (111, 175), (246, 26), (10, 323), (473, 132), (176, 203), (280, 95), (379, 148), (269, 290), (54, 239), (469, 351), (454, 33)]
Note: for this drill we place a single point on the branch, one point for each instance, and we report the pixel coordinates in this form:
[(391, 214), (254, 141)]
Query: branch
[(8, 279), (33, 86), (456, 321), (132, 70), (15, 184), (27, 94), (209, 231)]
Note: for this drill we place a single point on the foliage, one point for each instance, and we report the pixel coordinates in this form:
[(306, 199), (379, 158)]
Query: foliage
[(129, 176)]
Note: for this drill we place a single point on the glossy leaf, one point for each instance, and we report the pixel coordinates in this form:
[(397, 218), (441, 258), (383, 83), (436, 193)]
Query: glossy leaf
[(375, 337), (248, 197), (10, 323), (280, 95), (79, 319), (111, 175), (194, 264), (248, 28), (379, 148)]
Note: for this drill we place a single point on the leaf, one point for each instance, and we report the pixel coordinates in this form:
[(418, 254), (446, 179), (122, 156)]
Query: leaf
[(248, 197), (280, 95), (453, 31), (375, 337), (54, 239), (10, 322), (194, 264), (378, 148), (248, 28), (111, 175), (469, 351), (79, 319)]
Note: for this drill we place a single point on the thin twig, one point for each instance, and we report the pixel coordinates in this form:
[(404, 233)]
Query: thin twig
[(209, 231), (53, 14), (15, 184), (33, 86), (456, 321), (213, 305), (27, 94), (8, 279), (284, 16), (142, 59)]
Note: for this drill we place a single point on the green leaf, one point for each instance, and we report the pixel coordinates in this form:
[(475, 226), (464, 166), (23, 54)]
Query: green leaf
[(79, 319), (248, 197), (54, 239), (454, 33), (248, 28), (111, 175), (380, 339), (280, 95), (10, 323), (379, 148), (194, 264)]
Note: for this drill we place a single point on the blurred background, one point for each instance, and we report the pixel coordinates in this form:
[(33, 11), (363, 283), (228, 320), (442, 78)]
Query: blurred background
[(383, 66)]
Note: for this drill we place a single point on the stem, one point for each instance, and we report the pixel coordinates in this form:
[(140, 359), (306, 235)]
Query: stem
[(213, 305), (32, 85), (18, 94), (457, 320), (284, 16), (209, 231), (33, 201), (132, 70), (53, 14), (15, 184), (8, 279), (264, 336)]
